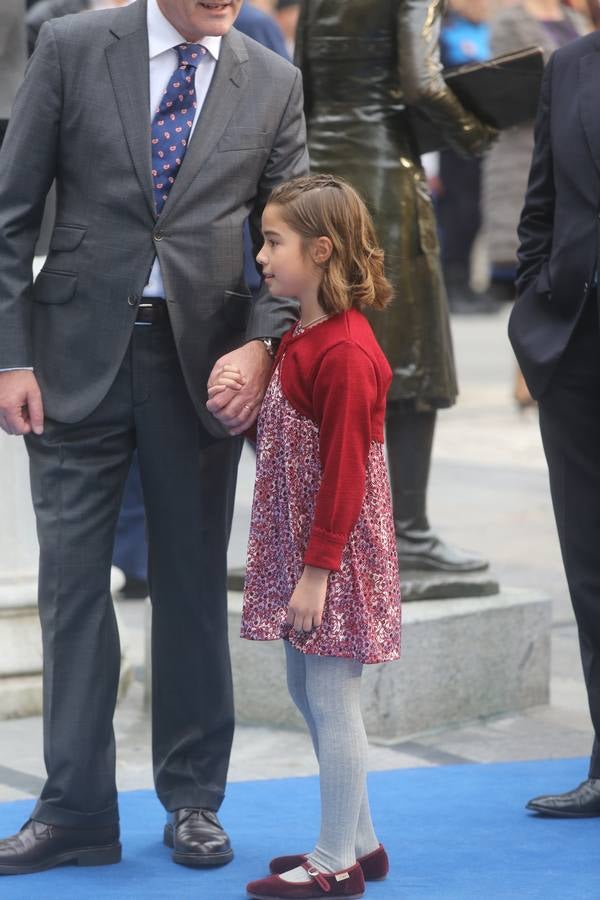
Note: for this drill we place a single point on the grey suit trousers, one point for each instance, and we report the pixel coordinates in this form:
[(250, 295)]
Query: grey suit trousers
[(77, 474)]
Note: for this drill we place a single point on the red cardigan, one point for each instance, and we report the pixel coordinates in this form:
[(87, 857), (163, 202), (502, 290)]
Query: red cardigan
[(337, 375)]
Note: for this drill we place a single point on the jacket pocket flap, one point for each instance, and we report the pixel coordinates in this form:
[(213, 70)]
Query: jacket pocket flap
[(52, 286), (245, 139), (66, 237)]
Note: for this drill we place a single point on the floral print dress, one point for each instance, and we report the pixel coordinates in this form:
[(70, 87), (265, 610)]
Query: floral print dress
[(361, 619)]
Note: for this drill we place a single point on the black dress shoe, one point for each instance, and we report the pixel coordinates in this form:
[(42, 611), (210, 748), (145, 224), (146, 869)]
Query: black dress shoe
[(197, 838), (424, 550), (38, 847), (581, 803)]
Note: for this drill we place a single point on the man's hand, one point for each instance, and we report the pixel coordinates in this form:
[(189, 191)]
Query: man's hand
[(305, 609), (237, 406), (21, 408)]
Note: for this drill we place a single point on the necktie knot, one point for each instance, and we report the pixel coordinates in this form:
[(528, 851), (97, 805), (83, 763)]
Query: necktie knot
[(190, 54)]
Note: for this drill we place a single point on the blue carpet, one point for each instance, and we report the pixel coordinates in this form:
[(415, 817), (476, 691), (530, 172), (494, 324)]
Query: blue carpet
[(453, 833)]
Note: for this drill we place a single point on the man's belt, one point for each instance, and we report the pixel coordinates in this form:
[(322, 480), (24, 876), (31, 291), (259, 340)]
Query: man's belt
[(151, 310)]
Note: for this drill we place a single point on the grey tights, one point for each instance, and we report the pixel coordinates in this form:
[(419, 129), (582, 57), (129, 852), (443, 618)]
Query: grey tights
[(326, 690)]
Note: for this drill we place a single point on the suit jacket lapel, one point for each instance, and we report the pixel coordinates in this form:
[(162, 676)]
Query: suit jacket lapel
[(127, 60), (589, 108), (220, 103)]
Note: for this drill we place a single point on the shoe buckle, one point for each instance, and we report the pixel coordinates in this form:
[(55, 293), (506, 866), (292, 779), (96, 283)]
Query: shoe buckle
[(318, 877)]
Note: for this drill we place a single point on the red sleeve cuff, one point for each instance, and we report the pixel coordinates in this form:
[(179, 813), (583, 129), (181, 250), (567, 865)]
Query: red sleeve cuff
[(325, 550)]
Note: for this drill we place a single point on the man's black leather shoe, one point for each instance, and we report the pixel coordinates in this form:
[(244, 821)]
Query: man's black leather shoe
[(38, 847), (197, 838), (581, 803)]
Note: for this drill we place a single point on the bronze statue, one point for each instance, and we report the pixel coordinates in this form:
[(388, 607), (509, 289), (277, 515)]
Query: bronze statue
[(364, 62)]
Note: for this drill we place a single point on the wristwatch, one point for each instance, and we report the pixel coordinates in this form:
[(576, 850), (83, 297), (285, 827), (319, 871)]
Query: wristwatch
[(271, 345)]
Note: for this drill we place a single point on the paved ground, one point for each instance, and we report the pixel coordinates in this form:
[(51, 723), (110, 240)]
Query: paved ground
[(489, 493)]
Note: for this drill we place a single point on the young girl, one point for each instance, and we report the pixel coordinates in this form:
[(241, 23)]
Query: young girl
[(322, 567)]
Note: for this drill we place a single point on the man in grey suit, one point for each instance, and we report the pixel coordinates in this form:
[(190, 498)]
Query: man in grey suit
[(165, 129), (12, 56)]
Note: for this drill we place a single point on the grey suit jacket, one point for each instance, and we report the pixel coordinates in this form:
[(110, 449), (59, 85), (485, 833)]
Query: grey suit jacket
[(12, 52), (82, 116)]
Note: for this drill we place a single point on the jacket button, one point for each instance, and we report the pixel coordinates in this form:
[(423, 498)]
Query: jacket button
[(133, 299), (158, 235)]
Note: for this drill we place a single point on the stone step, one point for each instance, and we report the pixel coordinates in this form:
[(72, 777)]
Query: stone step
[(462, 659), (20, 696)]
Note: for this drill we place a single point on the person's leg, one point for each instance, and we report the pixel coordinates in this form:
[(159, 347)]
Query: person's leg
[(295, 663), (458, 209), (409, 439), (459, 217), (131, 547), (189, 481), (333, 691), (366, 839), (77, 477), (570, 428)]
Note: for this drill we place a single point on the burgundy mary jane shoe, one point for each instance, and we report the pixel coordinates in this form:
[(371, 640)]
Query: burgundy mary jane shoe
[(375, 865), (349, 883)]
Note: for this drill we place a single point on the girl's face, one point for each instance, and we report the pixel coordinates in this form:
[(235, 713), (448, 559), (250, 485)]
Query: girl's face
[(287, 264)]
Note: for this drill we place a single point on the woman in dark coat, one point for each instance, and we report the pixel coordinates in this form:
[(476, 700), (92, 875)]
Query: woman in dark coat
[(364, 62)]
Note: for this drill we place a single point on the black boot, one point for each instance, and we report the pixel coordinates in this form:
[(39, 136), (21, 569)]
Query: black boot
[(409, 437)]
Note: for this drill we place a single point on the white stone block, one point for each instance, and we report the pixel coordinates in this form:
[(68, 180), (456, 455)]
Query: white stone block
[(461, 660)]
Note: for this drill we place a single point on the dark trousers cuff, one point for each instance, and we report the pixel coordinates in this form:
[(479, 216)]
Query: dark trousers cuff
[(198, 799), (50, 814)]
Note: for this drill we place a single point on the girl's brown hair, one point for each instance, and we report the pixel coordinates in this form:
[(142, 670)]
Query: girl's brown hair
[(324, 205)]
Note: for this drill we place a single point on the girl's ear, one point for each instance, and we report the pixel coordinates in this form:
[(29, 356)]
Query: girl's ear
[(321, 250)]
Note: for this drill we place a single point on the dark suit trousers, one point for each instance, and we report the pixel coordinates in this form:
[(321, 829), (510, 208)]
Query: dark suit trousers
[(570, 427), (78, 473)]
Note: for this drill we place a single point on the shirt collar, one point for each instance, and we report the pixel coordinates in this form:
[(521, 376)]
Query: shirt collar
[(163, 36)]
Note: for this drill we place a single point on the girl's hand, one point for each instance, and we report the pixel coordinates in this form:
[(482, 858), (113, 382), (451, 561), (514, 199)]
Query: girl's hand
[(227, 376), (237, 409), (305, 610)]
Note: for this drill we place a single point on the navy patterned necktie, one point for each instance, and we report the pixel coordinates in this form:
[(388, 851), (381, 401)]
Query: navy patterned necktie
[(172, 122)]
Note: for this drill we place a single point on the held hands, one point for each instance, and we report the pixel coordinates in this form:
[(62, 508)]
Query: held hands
[(21, 408), (237, 385), (305, 610)]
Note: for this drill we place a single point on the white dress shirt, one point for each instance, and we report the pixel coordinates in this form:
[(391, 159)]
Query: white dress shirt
[(162, 38)]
